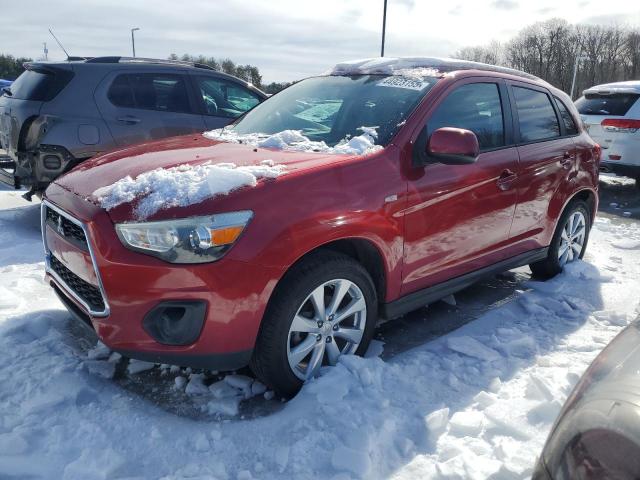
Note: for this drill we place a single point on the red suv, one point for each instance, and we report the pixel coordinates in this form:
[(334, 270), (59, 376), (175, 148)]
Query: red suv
[(280, 241)]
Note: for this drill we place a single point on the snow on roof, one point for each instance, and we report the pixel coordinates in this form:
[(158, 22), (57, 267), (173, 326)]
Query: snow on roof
[(182, 185), (632, 86), (294, 140), (426, 66)]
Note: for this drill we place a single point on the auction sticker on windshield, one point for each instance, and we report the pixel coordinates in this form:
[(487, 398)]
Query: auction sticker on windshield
[(402, 82)]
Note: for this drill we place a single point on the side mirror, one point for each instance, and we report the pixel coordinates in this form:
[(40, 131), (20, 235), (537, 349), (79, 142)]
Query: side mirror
[(453, 146)]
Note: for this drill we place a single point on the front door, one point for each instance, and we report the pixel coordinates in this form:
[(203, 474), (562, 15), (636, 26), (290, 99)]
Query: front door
[(458, 216)]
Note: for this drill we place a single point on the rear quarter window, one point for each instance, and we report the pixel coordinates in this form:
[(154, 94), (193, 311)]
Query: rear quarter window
[(570, 127), (40, 86), (600, 104)]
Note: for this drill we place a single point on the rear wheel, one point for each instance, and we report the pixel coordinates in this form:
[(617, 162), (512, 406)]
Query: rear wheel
[(325, 307), (569, 241)]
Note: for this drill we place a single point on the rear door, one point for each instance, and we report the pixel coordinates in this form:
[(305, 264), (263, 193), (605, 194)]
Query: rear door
[(458, 216), (222, 100), (547, 162), (145, 106)]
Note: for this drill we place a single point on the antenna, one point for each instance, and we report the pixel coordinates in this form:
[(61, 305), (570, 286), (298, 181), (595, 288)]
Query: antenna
[(58, 42)]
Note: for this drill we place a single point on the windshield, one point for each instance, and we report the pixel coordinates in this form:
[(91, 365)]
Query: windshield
[(597, 104), (335, 108)]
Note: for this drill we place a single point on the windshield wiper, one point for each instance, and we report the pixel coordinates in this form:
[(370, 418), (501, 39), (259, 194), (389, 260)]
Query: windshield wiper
[(7, 91)]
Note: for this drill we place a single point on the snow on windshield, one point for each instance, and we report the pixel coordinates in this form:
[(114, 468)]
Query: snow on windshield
[(294, 140), (182, 185)]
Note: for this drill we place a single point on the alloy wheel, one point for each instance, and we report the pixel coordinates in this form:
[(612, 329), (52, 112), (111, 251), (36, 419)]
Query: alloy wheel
[(572, 238), (330, 322)]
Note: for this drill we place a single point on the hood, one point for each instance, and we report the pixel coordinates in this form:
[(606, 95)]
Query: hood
[(191, 150)]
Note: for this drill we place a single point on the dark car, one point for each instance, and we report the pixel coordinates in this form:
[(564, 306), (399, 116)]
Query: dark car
[(597, 434), (275, 242), (58, 114)]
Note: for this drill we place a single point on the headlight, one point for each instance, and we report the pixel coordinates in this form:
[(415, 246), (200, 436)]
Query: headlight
[(189, 240)]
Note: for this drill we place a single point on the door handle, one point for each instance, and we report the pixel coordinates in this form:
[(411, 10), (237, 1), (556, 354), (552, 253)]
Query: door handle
[(128, 120), (505, 179)]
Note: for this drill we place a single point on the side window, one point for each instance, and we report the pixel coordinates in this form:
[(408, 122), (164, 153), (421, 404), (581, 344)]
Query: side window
[(150, 91), (475, 107), (159, 91), (120, 93), (225, 99), (536, 116), (569, 123)]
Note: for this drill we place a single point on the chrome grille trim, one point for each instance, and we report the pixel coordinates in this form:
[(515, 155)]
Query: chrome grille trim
[(47, 263)]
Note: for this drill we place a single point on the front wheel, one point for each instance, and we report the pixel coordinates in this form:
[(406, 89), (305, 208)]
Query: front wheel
[(569, 241), (325, 307)]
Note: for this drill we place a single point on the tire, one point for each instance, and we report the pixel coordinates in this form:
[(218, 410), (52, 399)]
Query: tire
[(554, 263), (321, 274)]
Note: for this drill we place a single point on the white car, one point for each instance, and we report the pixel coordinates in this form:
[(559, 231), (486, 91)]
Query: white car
[(611, 114)]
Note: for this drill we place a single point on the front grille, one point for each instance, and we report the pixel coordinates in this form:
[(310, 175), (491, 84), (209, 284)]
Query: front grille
[(88, 293), (71, 230)]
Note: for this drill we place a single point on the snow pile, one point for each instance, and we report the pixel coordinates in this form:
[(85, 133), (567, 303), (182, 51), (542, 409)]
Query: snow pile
[(182, 185), (294, 140), (414, 67), (475, 403)]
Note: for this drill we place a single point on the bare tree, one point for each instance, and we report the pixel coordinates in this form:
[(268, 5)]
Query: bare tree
[(551, 49)]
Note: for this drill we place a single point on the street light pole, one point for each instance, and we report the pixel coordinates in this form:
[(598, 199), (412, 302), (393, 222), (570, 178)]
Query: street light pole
[(133, 41), (579, 57), (384, 27)]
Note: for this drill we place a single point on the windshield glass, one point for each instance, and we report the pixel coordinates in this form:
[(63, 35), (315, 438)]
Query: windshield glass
[(334, 109)]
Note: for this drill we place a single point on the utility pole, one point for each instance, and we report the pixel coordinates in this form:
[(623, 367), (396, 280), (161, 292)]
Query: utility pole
[(579, 58), (46, 52), (133, 41), (384, 27)]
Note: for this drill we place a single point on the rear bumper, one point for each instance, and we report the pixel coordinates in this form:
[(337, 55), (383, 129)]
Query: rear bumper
[(36, 168), (622, 169), (8, 178)]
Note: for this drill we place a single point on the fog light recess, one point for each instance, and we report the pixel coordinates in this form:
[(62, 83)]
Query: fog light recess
[(175, 322)]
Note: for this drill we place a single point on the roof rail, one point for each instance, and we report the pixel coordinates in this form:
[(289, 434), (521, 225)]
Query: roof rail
[(155, 61)]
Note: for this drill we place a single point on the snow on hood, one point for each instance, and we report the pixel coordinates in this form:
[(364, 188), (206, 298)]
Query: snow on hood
[(416, 67), (182, 185), (294, 140)]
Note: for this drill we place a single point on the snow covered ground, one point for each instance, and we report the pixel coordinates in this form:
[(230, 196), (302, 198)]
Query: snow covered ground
[(476, 402)]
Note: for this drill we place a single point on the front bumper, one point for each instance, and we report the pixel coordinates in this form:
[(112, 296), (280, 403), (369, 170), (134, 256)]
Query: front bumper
[(133, 284)]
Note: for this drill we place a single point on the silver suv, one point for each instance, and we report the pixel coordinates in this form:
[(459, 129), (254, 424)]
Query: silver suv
[(56, 115)]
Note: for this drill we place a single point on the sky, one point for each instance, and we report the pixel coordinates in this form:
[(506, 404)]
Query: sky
[(285, 39)]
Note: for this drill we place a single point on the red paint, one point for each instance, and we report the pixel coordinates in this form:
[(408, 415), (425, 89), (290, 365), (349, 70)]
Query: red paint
[(453, 141), (447, 220)]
